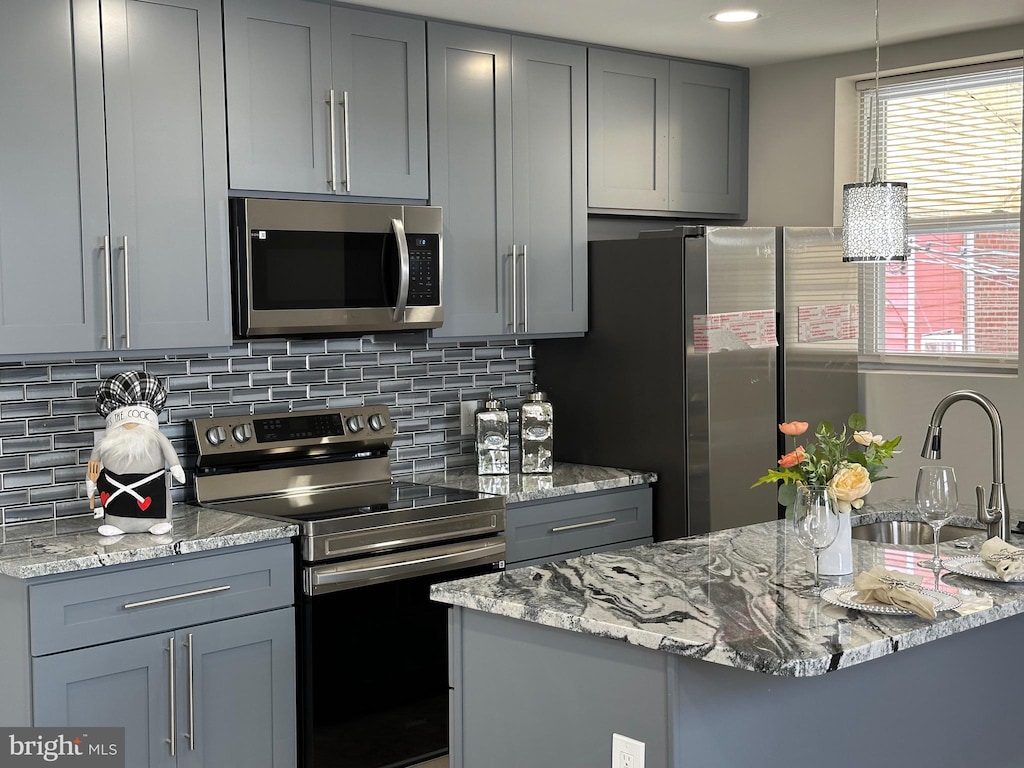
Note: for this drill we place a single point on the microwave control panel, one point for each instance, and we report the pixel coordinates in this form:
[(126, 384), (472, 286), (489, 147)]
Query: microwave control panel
[(424, 270)]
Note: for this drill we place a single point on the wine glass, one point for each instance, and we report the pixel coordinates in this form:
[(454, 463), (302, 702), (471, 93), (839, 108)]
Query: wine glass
[(936, 502), (815, 522)]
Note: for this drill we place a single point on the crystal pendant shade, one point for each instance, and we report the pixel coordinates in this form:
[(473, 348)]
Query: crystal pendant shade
[(875, 221)]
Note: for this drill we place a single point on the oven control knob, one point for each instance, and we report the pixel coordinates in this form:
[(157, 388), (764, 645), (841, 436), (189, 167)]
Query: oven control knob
[(355, 424), (241, 432), (377, 422), (216, 435)]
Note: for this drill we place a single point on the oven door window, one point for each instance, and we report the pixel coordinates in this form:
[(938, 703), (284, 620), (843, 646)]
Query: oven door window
[(322, 270), (375, 674)]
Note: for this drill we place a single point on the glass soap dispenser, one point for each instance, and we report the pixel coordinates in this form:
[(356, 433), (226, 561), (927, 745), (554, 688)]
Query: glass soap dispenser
[(535, 432), (492, 439)]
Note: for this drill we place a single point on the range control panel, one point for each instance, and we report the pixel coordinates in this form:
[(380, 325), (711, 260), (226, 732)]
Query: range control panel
[(336, 429)]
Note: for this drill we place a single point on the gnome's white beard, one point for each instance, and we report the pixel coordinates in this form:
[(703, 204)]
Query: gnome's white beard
[(131, 450)]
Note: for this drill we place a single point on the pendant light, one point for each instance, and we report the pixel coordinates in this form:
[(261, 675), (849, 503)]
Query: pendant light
[(875, 212)]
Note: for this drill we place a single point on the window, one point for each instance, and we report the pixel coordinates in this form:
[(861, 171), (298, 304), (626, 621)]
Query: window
[(954, 137)]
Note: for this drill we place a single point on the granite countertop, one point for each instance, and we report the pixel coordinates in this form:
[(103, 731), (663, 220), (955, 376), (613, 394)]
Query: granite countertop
[(72, 544), (736, 597), (565, 480)]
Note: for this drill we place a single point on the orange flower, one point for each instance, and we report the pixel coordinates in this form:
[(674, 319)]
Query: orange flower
[(794, 457), (793, 428)]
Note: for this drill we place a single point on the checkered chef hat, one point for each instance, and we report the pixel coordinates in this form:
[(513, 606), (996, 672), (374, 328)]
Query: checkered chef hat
[(130, 396)]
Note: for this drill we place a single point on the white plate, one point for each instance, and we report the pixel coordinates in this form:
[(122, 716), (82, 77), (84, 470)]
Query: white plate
[(975, 567), (846, 597)]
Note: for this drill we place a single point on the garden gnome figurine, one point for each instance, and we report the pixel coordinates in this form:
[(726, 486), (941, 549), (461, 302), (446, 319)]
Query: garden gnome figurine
[(129, 463)]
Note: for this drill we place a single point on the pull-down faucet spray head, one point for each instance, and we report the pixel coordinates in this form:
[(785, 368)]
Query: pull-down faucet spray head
[(932, 443)]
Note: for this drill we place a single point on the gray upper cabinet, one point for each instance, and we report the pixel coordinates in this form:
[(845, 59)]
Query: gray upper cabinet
[(115, 236), (628, 121), (325, 100), (667, 136), (507, 153)]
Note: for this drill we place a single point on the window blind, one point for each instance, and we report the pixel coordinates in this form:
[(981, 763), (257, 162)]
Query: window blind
[(955, 138)]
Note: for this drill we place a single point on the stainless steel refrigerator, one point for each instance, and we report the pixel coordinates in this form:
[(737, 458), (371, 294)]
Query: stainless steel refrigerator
[(679, 372)]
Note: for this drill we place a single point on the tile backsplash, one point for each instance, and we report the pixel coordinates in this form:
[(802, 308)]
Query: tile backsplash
[(48, 409)]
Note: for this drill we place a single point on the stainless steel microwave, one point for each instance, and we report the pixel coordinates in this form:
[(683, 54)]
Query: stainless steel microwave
[(302, 267)]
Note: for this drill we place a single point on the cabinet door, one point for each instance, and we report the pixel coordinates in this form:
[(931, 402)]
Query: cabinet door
[(167, 171), (380, 78), (242, 691), (278, 67), (549, 138), (708, 140), (471, 174), (52, 177), (628, 100), (125, 684)]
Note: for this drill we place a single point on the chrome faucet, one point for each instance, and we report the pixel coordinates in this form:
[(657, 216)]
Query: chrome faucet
[(995, 515)]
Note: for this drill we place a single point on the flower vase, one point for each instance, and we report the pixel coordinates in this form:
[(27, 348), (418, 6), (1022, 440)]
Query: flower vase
[(837, 558)]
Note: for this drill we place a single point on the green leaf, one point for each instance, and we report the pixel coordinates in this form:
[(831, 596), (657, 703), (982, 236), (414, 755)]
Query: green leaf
[(787, 495), (857, 421), (826, 428)]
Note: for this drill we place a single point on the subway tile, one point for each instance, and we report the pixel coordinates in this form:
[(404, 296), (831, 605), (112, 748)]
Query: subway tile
[(229, 380), (328, 390), (402, 412), (210, 398), (396, 385), (380, 342), (517, 352), (361, 388), (488, 380), (70, 474), (178, 383), (24, 374), (106, 370), (428, 438), (326, 361), (14, 515), (73, 372), (429, 465), (50, 459), (288, 393), (177, 399), (457, 355), (208, 365), (307, 347), (396, 358), (242, 364), (411, 371), (487, 353), (186, 414), (472, 366), (24, 410), (17, 462), (248, 395), (29, 479), (91, 421), (413, 398), (231, 410), (427, 355), (73, 507), (405, 454), (360, 359), (412, 425), (169, 368), (65, 407), (73, 440), (51, 425), (428, 382), (287, 363), (307, 377), (427, 411), (443, 396), (12, 445), (442, 369), (344, 374), (53, 493), (269, 379), (458, 382), (385, 399), (344, 345), (350, 401), (87, 389), (13, 428), (257, 348), (13, 498), (502, 366)]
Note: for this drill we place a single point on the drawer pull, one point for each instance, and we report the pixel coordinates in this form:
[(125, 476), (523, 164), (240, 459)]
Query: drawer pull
[(182, 596), (191, 698), (591, 524), (174, 727)]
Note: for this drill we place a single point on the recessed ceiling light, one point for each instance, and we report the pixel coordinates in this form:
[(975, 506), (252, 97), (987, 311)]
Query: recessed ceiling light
[(734, 17)]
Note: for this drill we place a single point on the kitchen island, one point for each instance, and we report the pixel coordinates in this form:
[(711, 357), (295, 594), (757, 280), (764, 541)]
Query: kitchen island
[(709, 651)]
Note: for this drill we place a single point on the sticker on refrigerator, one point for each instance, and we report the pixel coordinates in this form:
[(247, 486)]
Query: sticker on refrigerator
[(827, 322), (734, 330)]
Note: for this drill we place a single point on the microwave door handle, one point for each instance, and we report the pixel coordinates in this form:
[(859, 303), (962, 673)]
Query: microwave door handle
[(403, 269)]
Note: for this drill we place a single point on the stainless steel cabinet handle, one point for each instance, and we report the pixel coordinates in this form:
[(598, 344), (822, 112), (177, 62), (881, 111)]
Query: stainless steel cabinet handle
[(108, 281), (345, 135), (191, 698), (332, 181), (515, 288), (526, 295), (174, 724), (180, 596), (403, 268), (591, 524), (127, 296)]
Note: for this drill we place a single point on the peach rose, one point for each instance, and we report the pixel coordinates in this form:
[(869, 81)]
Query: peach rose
[(850, 484), (793, 458), (793, 428)]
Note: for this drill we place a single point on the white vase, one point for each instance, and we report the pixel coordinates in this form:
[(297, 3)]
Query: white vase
[(837, 558)]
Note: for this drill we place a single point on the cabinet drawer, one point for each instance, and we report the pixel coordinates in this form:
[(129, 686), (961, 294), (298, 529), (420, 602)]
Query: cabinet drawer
[(585, 522), (100, 607)]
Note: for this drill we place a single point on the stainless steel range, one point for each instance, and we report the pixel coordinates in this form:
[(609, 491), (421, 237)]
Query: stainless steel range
[(373, 684)]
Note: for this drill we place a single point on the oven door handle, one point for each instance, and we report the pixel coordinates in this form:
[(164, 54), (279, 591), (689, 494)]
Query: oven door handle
[(398, 227), (358, 573)]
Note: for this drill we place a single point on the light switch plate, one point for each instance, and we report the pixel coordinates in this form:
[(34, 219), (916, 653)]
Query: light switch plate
[(469, 409)]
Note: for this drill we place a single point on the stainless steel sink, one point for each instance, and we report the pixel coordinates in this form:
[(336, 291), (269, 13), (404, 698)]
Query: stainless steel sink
[(909, 532)]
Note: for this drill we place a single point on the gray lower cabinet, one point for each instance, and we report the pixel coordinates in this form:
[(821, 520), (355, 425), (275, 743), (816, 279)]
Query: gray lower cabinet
[(324, 99), (508, 166), (115, 236), (542, 531), (112, 649), (667, 136)]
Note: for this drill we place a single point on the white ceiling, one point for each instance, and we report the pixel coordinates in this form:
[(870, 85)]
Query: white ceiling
[(789, 29)]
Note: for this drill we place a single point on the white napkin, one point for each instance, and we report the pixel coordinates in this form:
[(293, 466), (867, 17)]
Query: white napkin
[(1007, 559), (880, 585)]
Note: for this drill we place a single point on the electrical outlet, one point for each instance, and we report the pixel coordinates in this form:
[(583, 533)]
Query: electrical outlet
[(627, 752), (469, 409)]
